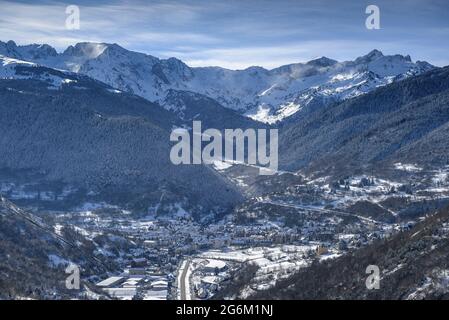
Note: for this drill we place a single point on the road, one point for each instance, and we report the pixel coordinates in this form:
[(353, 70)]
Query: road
[(302, 207), (183, 283)]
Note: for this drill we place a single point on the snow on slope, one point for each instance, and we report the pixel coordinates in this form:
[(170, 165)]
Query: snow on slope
[(264, 95), (11, 68), (8, 66)]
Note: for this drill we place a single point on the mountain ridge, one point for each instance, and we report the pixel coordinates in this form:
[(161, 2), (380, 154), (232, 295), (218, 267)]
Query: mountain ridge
[(264, 95), (376, 128), (85, 133)]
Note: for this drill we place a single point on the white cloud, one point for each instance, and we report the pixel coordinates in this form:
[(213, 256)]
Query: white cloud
[(274, 56), (232, 34)]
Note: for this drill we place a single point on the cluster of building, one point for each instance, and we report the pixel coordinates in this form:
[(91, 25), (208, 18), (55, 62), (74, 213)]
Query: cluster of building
[(136, 285), (319, 229)]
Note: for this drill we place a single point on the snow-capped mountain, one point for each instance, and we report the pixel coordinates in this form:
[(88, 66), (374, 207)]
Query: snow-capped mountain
[(261, 94), (8, 66), (15, 69), (11, 68)]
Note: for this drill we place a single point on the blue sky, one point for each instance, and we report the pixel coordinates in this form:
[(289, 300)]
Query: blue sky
[(239, 33)]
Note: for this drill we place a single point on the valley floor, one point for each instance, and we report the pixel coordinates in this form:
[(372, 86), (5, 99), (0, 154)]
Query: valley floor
[(278, 233)]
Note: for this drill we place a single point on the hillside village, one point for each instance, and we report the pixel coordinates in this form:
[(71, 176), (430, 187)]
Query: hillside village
[(175, 256)]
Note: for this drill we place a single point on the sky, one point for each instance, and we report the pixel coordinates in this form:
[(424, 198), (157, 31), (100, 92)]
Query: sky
[(237, 34)]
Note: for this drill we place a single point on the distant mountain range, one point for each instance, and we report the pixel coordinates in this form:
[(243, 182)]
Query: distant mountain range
[(264, 95)]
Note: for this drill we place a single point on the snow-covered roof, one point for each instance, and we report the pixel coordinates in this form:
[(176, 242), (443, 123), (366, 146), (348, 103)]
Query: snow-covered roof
[(109, 281), (216, 264), (210, 280)]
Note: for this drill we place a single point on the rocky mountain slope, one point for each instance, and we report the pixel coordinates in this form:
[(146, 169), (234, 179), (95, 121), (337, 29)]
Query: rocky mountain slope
[(33, 257)]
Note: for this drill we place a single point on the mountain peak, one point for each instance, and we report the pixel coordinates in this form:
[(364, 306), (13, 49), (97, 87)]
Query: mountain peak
[(89, 50), (175, 62), (37, 51), (256, 69), (322, 62), (9, 49), (371, 56), (11, 44)]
